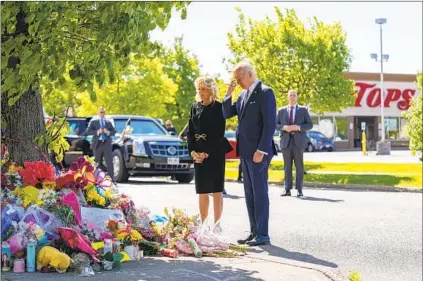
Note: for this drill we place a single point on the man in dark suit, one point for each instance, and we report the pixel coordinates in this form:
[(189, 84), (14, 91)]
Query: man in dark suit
[(293, 121), (170, 128), (102, 130), (256, 112)]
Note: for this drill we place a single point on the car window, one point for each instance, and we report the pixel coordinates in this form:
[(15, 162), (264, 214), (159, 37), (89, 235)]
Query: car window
[(230, 134), (319, 135), (140, 127), (276, 134), (311, 135), (77, 127)]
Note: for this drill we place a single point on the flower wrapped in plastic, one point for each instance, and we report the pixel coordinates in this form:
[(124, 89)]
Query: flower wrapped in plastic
[(127, 206), (70, 199), (77, 241), (45, 219), (29, 195), (9, 214)]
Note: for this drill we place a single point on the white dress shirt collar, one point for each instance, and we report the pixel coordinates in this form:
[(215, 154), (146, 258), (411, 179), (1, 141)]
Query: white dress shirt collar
[(253, 86)]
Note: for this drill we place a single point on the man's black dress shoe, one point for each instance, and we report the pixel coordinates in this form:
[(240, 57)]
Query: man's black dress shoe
[(258, 243), (300, 193), (248, 239), (286, 193)]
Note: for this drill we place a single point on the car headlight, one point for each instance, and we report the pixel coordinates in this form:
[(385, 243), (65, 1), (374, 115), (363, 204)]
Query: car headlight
[(138, 148)]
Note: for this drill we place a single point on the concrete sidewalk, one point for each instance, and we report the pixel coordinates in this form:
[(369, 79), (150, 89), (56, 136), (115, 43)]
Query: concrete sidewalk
[(250, 267)]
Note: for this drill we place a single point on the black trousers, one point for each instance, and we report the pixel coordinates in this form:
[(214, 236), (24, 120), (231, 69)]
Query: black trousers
[(293, 154), (104, 150)]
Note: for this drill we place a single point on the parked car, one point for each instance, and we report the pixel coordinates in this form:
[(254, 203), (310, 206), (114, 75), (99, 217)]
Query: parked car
[(277, 140), (231, 136), (318, 142), (141, 147)]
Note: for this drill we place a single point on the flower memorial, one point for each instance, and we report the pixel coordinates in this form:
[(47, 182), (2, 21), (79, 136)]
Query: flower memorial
[(48, 213)]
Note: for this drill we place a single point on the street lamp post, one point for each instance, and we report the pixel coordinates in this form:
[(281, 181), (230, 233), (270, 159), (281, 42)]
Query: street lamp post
[(383, 147)]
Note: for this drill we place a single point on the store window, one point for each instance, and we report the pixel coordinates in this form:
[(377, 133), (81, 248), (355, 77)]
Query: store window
[(341, 128), (332, 127), (403, 129), (327, 126), (392, 128)]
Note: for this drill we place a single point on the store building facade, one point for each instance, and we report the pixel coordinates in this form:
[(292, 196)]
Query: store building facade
[(346, 126)]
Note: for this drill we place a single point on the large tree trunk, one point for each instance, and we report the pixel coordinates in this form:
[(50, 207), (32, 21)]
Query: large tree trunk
[(25, 118), (24, 121)]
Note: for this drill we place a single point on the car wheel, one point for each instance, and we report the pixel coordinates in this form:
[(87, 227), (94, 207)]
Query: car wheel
[(184, 178), (330, 149), (310, 147), (119, 168)]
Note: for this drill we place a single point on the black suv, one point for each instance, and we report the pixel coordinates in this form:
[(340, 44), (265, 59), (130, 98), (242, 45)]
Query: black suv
[(141, 147)]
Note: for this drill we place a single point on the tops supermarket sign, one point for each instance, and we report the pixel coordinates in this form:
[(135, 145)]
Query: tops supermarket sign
[(395, 95)]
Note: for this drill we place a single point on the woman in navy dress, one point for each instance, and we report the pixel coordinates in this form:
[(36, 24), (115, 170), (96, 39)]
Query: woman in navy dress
[(207, 145)]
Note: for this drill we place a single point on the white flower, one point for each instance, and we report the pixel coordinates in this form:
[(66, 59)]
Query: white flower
[(14, 179), (48, 196)]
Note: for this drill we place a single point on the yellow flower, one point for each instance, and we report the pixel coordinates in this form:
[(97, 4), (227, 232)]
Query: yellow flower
[(40, 203), (49, 185), (14, 169), (88, 186), (135, 235), (121, 235), (102, 201), (108, 194)]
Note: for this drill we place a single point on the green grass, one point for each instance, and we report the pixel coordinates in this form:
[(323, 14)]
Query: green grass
[(385, 168), (387, 174)]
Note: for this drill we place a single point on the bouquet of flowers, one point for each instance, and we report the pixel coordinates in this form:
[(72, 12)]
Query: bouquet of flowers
[(48, 197), (36, 172), (128, 208), (11, 178)]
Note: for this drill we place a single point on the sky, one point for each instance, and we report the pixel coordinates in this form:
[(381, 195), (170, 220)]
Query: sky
[(206, 27)]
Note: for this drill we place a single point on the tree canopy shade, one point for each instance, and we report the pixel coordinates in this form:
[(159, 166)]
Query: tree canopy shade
[(88, 42), (288, 54), (415, 119)]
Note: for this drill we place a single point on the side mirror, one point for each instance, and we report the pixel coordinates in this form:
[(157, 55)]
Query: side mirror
[(172, 134)]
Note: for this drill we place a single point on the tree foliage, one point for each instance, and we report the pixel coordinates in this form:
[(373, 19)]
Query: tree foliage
[(144, 89), (414, 115), (183, 68), (90, 42), (288, 54)]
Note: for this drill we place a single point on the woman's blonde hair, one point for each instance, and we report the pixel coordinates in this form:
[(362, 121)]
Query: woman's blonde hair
[(207, 82)]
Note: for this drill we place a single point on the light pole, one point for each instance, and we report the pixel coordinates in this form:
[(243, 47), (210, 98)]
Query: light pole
[(384, 147)]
